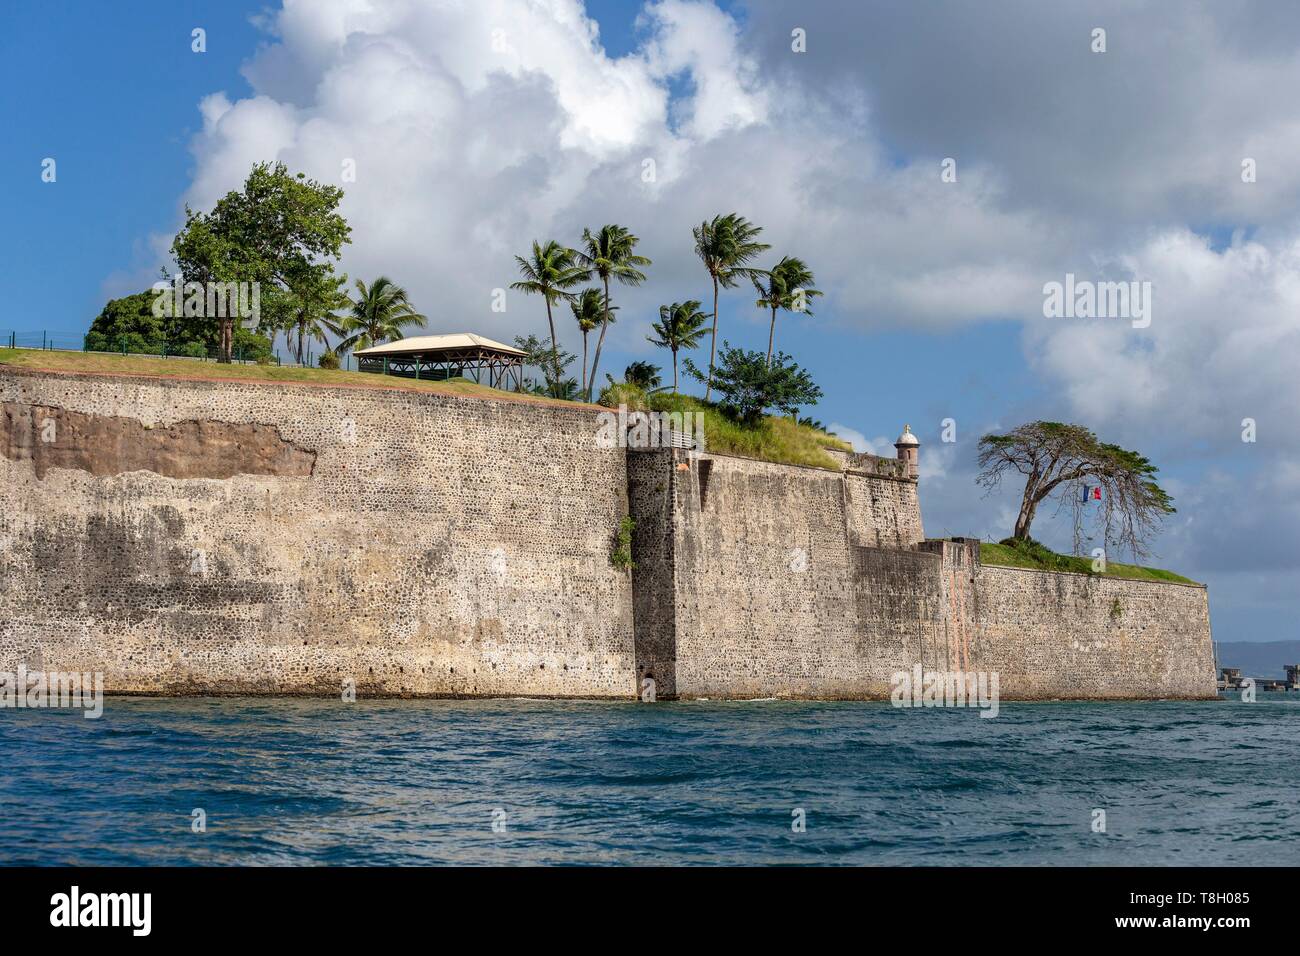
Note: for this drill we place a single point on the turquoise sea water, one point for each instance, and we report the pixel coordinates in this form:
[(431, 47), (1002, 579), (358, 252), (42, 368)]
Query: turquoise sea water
[(417, 782)]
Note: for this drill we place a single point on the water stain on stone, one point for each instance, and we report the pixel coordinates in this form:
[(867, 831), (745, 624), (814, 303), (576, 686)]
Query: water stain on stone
[(104, 445)]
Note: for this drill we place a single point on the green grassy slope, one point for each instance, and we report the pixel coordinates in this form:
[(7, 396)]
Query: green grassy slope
[(775, 439), (1031, 554)]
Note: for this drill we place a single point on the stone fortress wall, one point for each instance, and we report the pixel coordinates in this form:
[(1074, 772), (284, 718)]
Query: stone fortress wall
[(222, 537), (770, 580), (297, 536)]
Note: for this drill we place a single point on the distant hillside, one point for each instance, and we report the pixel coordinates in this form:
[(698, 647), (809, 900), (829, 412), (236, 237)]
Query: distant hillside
[(1262, 659)]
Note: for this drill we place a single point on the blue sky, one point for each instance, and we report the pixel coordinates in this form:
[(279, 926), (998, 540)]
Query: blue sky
[(118, 125), (119, 128), (1123, 164)]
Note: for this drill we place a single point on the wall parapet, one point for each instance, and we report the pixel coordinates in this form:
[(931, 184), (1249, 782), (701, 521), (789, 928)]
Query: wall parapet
[(877, 466)]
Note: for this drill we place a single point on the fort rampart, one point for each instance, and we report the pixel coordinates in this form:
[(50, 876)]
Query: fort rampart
[(189, 537)]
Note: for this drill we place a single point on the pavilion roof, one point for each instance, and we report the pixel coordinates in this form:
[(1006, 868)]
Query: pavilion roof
[(431, 344)]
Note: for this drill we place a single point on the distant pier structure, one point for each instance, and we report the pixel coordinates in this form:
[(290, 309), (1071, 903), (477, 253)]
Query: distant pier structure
[(1231, 679)]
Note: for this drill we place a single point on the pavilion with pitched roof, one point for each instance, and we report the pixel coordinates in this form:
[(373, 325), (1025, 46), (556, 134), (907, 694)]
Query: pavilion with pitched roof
[(440, 357)]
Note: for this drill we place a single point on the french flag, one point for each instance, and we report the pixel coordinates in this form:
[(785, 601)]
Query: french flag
[(1091, 493)]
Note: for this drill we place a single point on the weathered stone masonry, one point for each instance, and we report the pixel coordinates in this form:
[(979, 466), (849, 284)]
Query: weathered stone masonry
[(202, 537), (415, 543), (778, 581)]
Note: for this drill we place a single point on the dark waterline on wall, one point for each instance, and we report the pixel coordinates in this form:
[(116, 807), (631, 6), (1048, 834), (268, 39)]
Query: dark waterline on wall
[(294, 781)]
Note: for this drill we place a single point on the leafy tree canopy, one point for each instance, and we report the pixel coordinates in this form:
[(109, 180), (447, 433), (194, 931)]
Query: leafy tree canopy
[(280, 229), (748, 385), (306, 309), (1059, 461), (129, 324), (543, 355)]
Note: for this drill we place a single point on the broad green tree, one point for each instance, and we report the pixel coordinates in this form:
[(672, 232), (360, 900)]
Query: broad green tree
[(725, 244), (132, 324), (1064, 462), (680, 327), (609, 253), (380, 312), (279, 226), (787, 285), (542, 354), (748, 385), (550, 271)]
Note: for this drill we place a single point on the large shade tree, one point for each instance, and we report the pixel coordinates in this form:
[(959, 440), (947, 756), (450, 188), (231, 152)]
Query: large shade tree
[(609, 253), (549, 271), (1061, 462), (279, 229), (787, 285), (725, 244), (680, 327)]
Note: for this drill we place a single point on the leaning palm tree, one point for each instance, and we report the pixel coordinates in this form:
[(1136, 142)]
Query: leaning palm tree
[(609, 253), (379, 313), (588, 308), (680, 326), (788, 285), (724, 244), (549, 272)]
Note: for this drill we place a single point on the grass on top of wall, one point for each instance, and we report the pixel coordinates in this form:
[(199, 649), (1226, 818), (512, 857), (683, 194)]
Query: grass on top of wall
[(775, 439), (1031, 554), (185, 368)]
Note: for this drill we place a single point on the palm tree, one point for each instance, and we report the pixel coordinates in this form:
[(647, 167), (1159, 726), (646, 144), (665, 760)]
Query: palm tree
[(680, 326), (310, 311), (548, 273), (724, 244), (605, 255), (379, 314), (643, 375), (588, 307), (787, 286)]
